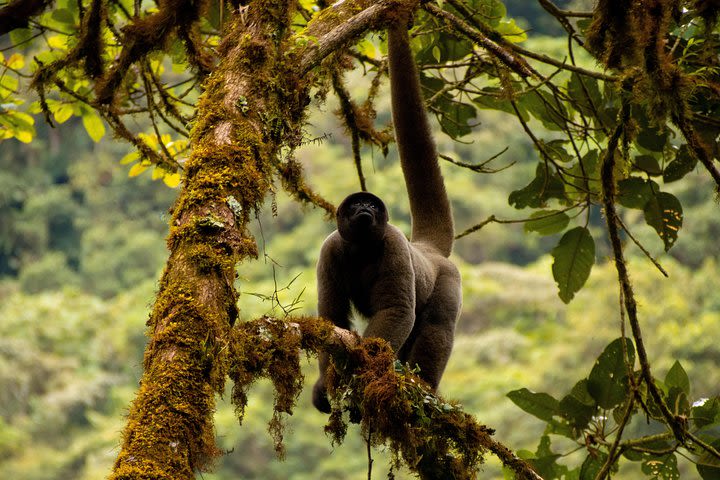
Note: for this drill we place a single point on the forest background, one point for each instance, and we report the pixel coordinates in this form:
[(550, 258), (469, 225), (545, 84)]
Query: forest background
[(82, 245)]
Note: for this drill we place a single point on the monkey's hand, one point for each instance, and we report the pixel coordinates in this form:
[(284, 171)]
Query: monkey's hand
[(320, 398)]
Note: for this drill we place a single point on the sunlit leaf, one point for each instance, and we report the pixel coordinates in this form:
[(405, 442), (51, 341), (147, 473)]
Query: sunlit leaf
[(58, 41), (63, 112), (172, 180), (130, 157), (8, 85), (573, 257), (511, 31), (16, 61), (157, 172), (137, 169), (93, 125)]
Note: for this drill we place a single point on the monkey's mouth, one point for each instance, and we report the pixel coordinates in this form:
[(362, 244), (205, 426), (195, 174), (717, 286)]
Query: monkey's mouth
[(364, 216)]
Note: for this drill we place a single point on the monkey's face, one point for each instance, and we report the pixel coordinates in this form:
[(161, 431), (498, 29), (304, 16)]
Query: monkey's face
[(362, 218)]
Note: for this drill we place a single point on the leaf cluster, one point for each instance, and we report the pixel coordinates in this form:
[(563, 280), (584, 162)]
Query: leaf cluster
[(600, 410)]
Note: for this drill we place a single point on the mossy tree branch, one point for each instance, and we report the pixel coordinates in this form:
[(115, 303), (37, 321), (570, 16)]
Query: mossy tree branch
[(432, 437)]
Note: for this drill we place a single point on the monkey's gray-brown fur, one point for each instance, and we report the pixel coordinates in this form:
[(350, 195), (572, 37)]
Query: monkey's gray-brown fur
[(408, 290)]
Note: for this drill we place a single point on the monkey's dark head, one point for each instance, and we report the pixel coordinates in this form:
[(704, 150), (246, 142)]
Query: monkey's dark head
[(362, 217)]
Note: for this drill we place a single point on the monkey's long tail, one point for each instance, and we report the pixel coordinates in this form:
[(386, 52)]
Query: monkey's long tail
[(429, 205)]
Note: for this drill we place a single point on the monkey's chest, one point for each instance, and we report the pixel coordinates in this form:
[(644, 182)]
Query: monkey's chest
[(361, 283)]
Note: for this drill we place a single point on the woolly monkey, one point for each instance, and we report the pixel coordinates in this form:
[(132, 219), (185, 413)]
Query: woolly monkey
[(408, 290)]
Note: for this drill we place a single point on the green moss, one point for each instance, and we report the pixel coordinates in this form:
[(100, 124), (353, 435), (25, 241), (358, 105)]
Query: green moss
[(267, 348)]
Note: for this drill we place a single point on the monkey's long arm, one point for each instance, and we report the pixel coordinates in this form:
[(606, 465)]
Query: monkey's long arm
[(429, 205)]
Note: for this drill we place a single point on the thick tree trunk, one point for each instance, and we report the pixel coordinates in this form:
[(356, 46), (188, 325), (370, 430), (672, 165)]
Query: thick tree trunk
[(253, 103)]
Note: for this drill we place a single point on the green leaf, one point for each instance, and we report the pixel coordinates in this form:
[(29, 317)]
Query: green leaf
[(556, 150), (537, 192), (585, 93), (543, 106), (664, 213), (706, 412), (683, 164), (647, 164), (676, 377), (455, 120), (652, 138), (547, 222), (584, 177), (578, 407), (20, 36), (93, 125), (495, 100), (544, 461), (635, 192), (607, 381), (708, 466), (573, 257), (592, 465), (63, 15), (661, 468), (436, 53), (540, 405)]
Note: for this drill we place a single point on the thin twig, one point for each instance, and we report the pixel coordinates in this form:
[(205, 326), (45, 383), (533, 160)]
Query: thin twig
[(612, 220), (347, 109)]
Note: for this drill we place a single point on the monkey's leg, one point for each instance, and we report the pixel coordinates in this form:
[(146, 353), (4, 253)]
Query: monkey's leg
[(431, 341)]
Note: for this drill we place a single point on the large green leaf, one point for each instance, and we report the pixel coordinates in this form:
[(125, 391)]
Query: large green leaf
[(607, 382), (574, 257), (541, 405), (664, 213)]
